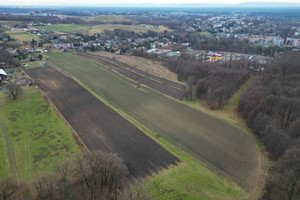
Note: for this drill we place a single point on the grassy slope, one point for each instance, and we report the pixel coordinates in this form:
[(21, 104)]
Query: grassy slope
[(39, 137), (22, 36), (188, 181), (150, 66), (64, 27), (71, 64)]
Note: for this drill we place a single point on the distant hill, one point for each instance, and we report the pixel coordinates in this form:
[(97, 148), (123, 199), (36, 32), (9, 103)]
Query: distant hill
[(183, 5), (212, 5)]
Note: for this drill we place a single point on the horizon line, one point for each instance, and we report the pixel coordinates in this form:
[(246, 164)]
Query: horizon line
[(147, 4)]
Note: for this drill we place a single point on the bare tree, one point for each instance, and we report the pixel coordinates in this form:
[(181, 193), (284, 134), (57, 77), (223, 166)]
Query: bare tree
[(65, 174), (189, 92), (13, 90), (45, 187), (136, 191), (8, 189), (100, 173)]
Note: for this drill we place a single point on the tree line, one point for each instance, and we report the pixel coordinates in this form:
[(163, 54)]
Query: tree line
[(271, 106), (92, 175), (213, 82)]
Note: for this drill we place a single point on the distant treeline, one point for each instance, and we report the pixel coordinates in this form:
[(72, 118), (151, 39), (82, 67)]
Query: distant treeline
[(233, 45), (40, 19), (56, 20), (272, 108)]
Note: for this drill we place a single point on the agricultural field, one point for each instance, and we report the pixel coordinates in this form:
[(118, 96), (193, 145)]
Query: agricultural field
[(221, 146), (3, 29), (72, 28), (204, 33), (99, 127), (164, 86), (10, 22), (35, 64), (189, 179), (109, 18), (91, 29), (39, 137), (134, 28), (22, 36), (147, 65)]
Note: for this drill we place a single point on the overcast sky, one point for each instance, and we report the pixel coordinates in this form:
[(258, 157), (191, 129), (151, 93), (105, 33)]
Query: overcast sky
[(99, 2)]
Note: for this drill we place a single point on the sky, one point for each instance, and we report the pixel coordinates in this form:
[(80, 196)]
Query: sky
[(99, 2)]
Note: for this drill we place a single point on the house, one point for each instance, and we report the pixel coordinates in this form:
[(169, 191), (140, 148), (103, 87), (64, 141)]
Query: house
[(12, 52), (297, 43), (118, 50), (278, 41), (57, 46), (30, 50), (187, 44), (173, 53), (152, 51), (3, 75), (65, 46)]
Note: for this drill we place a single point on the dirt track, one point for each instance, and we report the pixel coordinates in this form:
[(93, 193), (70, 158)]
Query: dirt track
[(99, 127), (167, 87)]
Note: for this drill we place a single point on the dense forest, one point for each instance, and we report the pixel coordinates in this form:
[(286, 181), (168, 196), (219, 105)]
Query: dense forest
[(272, 108)]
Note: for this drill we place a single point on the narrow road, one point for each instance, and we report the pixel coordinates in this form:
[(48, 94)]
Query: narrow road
[(10, 153)]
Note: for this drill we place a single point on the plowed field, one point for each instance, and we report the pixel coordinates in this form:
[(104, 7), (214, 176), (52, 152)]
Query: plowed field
[(213, 141), (98, 126)]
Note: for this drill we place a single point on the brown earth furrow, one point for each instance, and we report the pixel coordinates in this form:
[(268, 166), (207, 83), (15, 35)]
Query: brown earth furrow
[(99, 127)]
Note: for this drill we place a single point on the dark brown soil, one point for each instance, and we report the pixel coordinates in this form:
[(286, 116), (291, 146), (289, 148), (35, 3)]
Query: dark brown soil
[(99, 127)]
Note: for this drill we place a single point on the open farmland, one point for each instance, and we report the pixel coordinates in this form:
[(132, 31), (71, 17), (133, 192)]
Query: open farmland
[(109, 18), (40, 139), (208, 139), (22, 36), (99, 127), (65, 27), (137, 28), (170, 88)]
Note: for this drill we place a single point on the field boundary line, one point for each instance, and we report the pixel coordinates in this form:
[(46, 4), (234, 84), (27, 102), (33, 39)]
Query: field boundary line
[(76, 137)]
